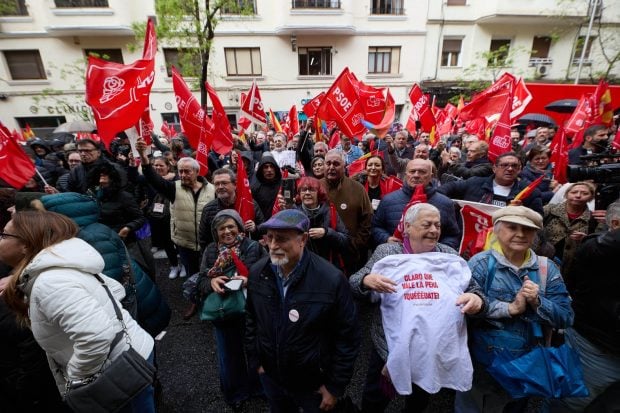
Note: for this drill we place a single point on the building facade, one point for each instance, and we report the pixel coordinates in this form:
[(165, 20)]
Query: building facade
[(295, 49)]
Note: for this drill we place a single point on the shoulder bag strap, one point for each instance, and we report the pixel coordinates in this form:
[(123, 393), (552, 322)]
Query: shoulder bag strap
[(119, 316)]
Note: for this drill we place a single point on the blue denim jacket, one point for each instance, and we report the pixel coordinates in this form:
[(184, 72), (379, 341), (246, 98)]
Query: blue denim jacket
[(500, 331)]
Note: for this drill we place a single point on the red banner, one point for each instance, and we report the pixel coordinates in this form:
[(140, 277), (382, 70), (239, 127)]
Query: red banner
[(252, 106), (118, 94), (221, 141), (490, 102), (16, 168), (190, 113)]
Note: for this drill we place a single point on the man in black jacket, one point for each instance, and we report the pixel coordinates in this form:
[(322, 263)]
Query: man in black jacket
[(302, 334)]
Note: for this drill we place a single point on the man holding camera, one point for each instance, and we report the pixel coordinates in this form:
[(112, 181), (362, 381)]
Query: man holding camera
[(595, 140)]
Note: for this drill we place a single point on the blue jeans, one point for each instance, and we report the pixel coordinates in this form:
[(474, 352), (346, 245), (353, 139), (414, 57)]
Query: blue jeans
[(282, 400), (144, 402), (236, 382), (190, 260)]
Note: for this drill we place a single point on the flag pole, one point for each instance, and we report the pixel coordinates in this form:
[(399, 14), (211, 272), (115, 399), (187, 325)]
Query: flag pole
[(41, 177)]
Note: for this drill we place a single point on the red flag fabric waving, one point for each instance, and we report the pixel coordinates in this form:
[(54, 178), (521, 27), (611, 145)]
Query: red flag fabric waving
[(422, 108), (559, 156), (334, 140), (190, 113), (372, 100), (313, 104), (527, 191), (342, 104), (204, 146), (150, 41), (476, 225), (490, 102), (275, 123), (252, 106), (358, 165), (604, 111), (222, 142), (418, 196), (616, 142), (244, 203), (16, 168), (292, 122), (244, 122), (501, 142), (145, 125), (385, 123), (582, 113)]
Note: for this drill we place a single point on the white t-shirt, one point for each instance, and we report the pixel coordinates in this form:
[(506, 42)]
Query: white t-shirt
[(426, 332)]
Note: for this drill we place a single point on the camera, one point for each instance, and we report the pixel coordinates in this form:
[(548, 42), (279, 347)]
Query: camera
[(604, 171)]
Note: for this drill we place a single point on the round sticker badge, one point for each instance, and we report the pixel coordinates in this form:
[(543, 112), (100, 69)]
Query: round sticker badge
[(293, 315), (343, 206)]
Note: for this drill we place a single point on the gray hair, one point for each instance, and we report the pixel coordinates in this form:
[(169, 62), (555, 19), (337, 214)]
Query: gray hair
[(321, 145), (226, 171), (191, 161), (613, 213), (412, 213), (337, 152)]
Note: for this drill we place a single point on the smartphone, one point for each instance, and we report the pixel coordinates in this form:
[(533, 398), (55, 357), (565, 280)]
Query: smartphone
[(233, 285)]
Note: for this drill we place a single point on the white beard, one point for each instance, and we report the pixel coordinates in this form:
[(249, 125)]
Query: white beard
[(279, 261)]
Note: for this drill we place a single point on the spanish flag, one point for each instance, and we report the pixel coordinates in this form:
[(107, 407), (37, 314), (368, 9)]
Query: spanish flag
[(359, 164), (274, 121), (27, 132), (527, 191)]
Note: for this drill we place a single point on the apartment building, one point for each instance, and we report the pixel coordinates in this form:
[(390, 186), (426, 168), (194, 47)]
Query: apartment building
[(294, 49)]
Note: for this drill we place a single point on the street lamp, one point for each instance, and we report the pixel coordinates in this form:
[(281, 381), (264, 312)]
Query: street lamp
[(587, 40)]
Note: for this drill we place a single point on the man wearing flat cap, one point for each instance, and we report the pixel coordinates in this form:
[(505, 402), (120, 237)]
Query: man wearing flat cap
[(301, 330)]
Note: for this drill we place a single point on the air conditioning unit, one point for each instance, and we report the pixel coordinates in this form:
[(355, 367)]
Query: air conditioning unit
[(542, 70)]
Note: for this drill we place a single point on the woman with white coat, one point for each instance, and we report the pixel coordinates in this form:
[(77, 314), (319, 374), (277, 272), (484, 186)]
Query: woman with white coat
[(53, 288)]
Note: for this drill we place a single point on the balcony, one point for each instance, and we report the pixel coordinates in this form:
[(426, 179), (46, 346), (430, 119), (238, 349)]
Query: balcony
[(537, 61), (586, 61), (315, 4), (80, 3), (388, 10)]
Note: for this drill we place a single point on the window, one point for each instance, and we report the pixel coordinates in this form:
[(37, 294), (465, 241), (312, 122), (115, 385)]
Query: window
[(579, 49), (387, 7), (316, 4), (315, 61), (451, 52), (540, 47), (112, 55), (498, 53), (383, 59), (187, 61), (41, 125), (13, 8), (81, 3), (241, 7), (457, 2), (243, 61), (24, 64)]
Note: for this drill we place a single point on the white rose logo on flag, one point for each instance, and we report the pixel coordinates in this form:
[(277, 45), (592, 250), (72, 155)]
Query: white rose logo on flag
[(112, 86)]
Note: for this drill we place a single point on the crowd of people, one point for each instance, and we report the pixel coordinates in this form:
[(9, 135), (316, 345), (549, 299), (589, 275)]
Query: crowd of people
[(320, 240)]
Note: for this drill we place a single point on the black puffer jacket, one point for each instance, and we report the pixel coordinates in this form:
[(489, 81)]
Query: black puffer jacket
[(264, 192), (319, 347)]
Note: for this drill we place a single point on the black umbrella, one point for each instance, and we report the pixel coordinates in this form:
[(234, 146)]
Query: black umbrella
[(538, 119), (563, 105)]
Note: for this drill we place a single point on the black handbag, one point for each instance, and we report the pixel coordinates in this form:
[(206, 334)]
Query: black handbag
[(116, 384)]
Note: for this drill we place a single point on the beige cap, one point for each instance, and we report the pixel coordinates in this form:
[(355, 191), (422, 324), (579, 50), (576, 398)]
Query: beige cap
[(519, 215)]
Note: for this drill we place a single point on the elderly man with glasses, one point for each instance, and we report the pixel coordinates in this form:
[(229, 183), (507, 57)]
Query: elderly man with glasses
[(498, 189)]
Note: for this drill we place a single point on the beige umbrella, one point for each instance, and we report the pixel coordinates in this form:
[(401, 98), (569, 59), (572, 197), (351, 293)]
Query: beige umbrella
[(76, 126)]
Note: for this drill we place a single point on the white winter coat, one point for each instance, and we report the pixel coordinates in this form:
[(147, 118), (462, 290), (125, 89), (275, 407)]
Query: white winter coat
[(72, 317)]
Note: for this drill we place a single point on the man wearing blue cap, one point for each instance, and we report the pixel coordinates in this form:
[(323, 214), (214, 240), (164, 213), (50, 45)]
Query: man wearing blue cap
[(301, 327)]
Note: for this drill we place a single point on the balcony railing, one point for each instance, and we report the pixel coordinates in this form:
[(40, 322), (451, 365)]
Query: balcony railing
[(80, 3), (395, 11), (536, 61), (586, 61), (14, 8), (316, 4)]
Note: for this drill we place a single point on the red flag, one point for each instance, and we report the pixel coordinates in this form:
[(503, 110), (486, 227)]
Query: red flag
[(342, 104), (490, 102), (145, 125), (204, 145), (242, 269), (16, 168), (118, 94), (392, 183), (222, 141), (19, 138), (358, 165), (374, 104), (521, 97), (616, 142), (150, 41), (422, 108), (500, 141), (559, 156), (460, 105), (292, 122), (527, 191), (604, 111), (582, 113), (381, 129), (190, 113), (244, 123), (313, 104), (418, 196), (334, 140), (28, 133), (476, 225), (410, 126), (252, 106), (244, 203)]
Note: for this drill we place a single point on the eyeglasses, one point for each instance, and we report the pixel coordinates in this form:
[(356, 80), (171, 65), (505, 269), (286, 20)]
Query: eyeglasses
[(86, 150), (509, 165), (307, 189), (4, 235), (278, 238)]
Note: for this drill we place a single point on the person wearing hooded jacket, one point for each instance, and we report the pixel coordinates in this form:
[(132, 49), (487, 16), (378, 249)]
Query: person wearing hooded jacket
[(268, 182), (237, 382), (72, 316)]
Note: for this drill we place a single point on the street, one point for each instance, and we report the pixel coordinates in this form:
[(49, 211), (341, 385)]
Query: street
[(188, 364)]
